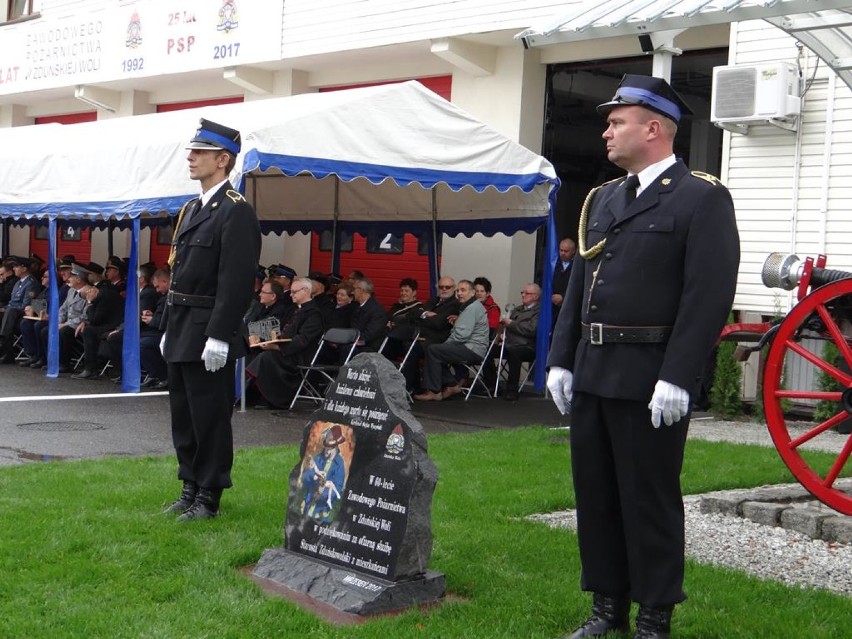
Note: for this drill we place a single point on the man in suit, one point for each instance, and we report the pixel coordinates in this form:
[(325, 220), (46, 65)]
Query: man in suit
[(215, 250), (519, 330), (647, 300), (276, 368), (368, 317), (561, 274)]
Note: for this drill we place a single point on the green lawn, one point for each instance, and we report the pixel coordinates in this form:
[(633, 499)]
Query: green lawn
[(85, 552)]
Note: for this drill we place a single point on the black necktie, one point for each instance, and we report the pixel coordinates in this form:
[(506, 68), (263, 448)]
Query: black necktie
[(192, 210), (630, 186)]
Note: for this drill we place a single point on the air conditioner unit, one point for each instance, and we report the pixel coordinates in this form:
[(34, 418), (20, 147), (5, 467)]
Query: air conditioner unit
[(748, 94)]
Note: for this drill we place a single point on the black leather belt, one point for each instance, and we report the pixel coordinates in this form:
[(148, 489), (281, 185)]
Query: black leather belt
[(598, 334), (173, 298)]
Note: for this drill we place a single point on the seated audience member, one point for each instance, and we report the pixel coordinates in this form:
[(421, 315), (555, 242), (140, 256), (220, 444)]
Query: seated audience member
[(64, 268), (275, 370), (284, 276), (324, 303), (271, 304), (105, 311), (151, 304), (519, 337), (467, 343), (115, 273), (150, 357), (368, 317), (96, 274), (22, 294), (402, 317), (7, 281), (435, 324), (71, 315), (341, 314), (482, 290), (30, 328)]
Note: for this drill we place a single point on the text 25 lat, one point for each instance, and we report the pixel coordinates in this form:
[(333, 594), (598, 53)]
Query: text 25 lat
[(133, 64), (222, 51)]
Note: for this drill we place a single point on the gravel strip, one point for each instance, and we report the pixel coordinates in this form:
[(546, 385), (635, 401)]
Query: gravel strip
[(762, 551), (757, 433)]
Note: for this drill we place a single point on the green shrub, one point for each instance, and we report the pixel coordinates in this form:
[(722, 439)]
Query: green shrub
[(726, 392)]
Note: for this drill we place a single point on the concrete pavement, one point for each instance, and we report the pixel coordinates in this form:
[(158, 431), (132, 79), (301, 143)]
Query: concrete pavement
[(43, 418)]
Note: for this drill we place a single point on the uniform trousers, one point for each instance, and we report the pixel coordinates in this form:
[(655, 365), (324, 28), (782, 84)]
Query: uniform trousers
[(30, 330), (201, 405), (630, 520)]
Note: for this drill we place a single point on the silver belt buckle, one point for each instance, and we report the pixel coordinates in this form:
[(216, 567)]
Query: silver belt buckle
[(169, 298), (596, 333)]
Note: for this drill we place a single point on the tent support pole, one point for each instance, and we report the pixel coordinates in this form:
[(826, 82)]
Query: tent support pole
[(434, 274), (130, 364), (335, 235), (53, 304), (4, 249)]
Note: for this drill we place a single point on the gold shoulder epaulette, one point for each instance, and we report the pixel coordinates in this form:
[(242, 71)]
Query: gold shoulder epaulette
[(235, 196), (707, 177)]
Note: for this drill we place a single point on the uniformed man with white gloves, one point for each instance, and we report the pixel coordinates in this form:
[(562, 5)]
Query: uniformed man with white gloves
[(215, 251), (646, 302)]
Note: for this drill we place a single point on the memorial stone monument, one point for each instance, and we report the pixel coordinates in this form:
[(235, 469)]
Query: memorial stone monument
[(358, 526)]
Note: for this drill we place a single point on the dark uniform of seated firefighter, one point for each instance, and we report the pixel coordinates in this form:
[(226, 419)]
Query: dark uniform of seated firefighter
[(105, 311), (215, 249), (23, 291), (646, 302), (275, 370)]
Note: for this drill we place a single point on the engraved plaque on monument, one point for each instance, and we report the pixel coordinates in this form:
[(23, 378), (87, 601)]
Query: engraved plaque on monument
[(358, 531)]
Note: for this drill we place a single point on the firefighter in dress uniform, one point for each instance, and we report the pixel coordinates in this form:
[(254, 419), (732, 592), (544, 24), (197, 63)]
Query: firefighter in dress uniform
[(215, 251), (645, 304)]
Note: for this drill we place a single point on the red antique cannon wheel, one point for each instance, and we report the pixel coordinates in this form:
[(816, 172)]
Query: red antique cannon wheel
[(822, 315)]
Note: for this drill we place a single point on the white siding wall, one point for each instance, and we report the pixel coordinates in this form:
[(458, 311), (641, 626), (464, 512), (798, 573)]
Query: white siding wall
[(792, 191), (325, 26)]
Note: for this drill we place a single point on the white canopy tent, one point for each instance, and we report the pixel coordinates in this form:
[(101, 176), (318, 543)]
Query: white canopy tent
[(395, 157)]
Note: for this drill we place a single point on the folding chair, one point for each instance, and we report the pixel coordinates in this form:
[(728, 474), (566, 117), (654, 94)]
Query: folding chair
[(324, 374), (402, 362), (18, 348), (476, 369)]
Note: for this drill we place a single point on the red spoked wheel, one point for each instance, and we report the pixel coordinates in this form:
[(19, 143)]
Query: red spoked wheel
[(824, 315)]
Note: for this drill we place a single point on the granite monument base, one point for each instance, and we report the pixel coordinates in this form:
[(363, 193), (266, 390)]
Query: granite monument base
[(349, 591)]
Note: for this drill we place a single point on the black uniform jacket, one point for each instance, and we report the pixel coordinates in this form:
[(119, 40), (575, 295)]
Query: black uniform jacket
[(371, 320), (216, 254), (670, 259)]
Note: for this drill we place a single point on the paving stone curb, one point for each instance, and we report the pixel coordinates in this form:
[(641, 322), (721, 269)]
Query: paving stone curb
[(789, 506)]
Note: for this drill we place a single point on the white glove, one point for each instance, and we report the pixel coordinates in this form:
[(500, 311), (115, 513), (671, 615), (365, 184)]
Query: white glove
[(163, 345), (559, 381), (215, 354), (669, 401)]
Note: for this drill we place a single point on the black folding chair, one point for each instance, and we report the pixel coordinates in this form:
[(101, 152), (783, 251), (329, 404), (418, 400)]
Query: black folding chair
[(316, 376)]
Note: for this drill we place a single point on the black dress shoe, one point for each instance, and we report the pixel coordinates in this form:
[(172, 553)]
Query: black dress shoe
[(85, 374), (161, 385), (205, 506), (37, 363), (653, 623), (150, 382), (186, 499), (26, 363), (609, 615)]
